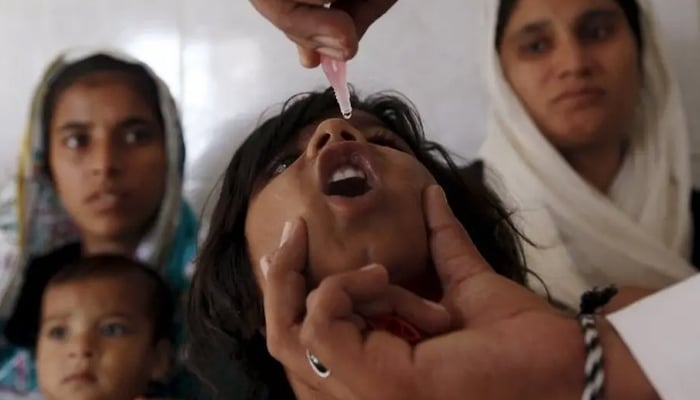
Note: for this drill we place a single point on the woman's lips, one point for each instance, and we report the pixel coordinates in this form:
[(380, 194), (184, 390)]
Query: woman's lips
[(580, 97)]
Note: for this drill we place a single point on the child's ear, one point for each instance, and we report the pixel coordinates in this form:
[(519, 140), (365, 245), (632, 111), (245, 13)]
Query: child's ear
[(162, 361)]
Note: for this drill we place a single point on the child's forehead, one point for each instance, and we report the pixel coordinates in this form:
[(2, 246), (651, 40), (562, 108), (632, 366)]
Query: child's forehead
[(127, 292)]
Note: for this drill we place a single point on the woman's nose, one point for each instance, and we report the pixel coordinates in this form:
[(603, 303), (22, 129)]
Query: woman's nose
[(332, 131)]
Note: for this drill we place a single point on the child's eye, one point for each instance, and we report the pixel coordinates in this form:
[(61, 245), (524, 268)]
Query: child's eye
[(114, 329), (385, 140), (57, 332), (281, 164)]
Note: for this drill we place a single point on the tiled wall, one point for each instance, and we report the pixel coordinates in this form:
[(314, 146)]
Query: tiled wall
[(226, 64)]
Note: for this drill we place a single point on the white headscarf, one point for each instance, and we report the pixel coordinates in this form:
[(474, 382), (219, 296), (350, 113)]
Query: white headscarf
[(32, 220), (638, 234)]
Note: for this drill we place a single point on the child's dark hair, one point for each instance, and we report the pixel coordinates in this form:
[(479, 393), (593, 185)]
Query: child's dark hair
[(629, 7), (137, 76), (160, 299), (225, 311)]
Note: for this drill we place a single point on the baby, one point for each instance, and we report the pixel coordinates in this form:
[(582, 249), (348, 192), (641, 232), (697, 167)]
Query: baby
[(105, 331)]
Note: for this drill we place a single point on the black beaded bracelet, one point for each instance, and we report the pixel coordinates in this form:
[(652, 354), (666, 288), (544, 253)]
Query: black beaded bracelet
[(594, 373)]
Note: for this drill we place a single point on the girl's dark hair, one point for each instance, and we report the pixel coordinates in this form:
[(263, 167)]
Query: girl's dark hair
[(225, 310), (137, 76), (629, 7)]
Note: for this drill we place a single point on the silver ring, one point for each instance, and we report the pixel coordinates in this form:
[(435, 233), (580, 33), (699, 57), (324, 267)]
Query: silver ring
[(317, 366)]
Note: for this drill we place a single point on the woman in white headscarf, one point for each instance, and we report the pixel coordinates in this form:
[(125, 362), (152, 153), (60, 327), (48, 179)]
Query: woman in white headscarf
[(588, 140), (101, 172)]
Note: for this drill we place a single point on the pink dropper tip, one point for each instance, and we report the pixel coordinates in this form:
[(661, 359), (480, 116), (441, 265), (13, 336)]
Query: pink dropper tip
[(336, 72)]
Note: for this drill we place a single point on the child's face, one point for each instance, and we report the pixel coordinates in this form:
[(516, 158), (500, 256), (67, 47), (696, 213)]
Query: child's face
[(371, 213), (96, 340)]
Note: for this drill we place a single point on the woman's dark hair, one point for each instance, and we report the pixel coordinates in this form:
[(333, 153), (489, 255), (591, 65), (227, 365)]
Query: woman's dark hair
[(225, 311), (137, 76), (629, 7)]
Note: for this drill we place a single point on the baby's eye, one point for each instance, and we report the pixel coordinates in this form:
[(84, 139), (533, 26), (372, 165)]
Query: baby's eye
[(114, 329), (57, 332)]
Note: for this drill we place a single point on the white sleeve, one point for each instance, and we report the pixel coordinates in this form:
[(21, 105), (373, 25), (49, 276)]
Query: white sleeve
[(663, 334)]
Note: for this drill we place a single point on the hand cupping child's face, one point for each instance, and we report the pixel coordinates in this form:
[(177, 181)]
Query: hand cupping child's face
[(97, 342), (359, 189)]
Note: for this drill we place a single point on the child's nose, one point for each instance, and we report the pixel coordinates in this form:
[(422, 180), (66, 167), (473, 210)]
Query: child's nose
[(331, 131), (82, 347)]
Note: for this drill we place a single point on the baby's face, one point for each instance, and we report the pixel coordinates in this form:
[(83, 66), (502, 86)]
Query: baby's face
[(96, 340), (358, 187)]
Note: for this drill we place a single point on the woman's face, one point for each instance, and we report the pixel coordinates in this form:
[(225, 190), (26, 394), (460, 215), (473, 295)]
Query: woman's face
[(359, 189), (107, 157), (574, 65)]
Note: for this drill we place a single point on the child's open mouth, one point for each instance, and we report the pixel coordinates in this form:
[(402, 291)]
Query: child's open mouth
[(347, 177), (347, 181)]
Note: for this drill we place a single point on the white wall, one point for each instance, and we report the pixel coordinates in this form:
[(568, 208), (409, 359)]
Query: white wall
[(225, 64)]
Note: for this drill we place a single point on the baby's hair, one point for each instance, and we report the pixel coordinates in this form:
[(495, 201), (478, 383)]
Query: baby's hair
[(160, 299), (225, 311)]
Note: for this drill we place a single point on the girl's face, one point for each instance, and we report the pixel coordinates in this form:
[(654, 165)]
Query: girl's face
[(358, 187), (107, 157), (574, 65)]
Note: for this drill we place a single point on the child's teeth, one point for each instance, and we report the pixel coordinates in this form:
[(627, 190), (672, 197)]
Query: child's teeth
[(346, 173)]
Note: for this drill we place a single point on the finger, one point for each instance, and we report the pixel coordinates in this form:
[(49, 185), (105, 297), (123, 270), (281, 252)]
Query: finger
[(325, 27), (454, 254), (308, 58), (364, 13), (330, 334), (430, 318), (366, 285), (285, 290)]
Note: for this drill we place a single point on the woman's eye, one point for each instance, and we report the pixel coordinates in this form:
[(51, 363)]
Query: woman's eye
[(597, 33), (57, 332), (114, 329), (76, 141), (536, 47), (136, 136)]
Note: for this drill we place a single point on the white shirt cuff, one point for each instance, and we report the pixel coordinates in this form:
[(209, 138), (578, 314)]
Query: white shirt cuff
[(663, 334)]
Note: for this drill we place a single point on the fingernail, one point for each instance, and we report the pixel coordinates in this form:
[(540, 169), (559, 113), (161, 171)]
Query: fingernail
[(286, 232), (327, 41), (434, 305), (265, 265), (442, 192), (369, 267), (332, 53)]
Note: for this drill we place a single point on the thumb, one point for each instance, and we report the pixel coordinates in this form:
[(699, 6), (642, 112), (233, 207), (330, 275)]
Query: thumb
[(454, 255)]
